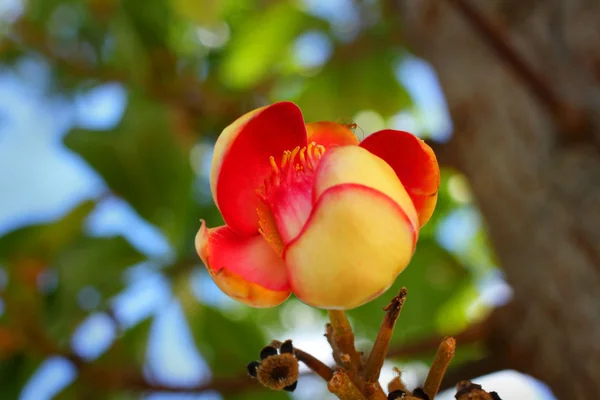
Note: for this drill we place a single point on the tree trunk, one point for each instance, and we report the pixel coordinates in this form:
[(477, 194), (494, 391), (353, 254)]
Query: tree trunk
[(537, 187)]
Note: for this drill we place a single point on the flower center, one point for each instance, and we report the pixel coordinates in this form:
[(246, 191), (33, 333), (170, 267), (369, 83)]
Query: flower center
[(287, 195)]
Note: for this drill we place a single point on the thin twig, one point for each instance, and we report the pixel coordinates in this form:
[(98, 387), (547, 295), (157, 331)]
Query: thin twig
[(316, 365), (571, 122), (384, 336), (439, 366)]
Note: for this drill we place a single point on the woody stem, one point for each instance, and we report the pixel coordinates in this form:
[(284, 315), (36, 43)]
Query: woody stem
[(342, 340), (381, 345)]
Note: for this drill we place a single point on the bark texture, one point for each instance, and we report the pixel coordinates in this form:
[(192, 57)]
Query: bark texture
[(539, 192)]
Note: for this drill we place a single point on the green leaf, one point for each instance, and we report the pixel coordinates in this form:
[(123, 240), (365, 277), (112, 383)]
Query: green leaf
[(351, 82), (41, 9), (78, 261), (146, 162), (227, 345), (90, 262), (97, 261), (80, 389), (27, 252), (130, 55), (151, 21), (131, 347), (43, 241), (14, 374), (204, 12), (257, 46), (433, 278)]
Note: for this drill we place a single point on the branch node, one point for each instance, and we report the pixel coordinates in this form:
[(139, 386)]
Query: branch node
[(341, 385)]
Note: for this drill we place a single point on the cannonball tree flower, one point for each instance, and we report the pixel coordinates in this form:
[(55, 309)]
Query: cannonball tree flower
[(311, 211)]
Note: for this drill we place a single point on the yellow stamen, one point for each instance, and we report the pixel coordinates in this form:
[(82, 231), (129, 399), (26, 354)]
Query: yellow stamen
[(288, 170), (274, 165), (285, 158), (302, 158), (294, 154)]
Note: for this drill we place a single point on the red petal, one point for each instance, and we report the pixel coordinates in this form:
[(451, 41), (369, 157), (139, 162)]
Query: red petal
[(241, 160), (415, 164), (329, 134), (245, 268)]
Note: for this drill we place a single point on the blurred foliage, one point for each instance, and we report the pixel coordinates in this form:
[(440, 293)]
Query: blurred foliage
[(189, 67)]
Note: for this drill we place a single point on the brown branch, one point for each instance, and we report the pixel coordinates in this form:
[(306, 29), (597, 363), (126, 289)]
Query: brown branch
[(573, 124), (316, 365), (439, 366), (343, 341), (384, 336), (343, 388)]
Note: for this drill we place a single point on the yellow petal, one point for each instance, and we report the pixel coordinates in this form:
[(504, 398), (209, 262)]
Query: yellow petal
[(352, 248), (353, 164)]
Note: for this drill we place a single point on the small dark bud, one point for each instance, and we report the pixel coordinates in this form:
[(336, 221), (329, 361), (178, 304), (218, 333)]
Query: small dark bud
[(278, 371), (470, 390), (466, 387), (420, 394), (286, 347), (252, 368), (291, 387), (267, 351), (396, 394)]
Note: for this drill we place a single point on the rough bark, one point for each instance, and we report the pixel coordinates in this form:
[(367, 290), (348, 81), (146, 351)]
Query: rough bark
[(538, 192)]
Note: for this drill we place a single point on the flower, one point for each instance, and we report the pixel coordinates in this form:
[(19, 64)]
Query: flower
[(310, 210)]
